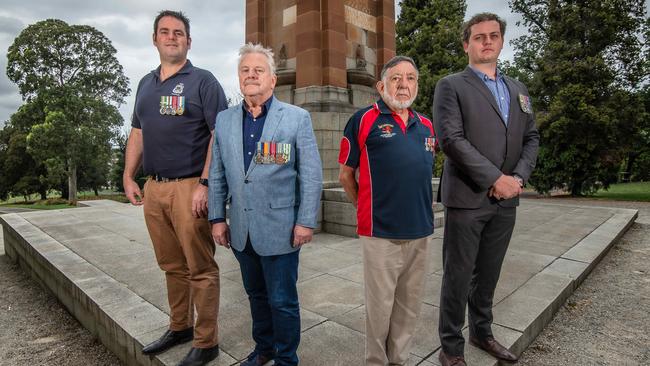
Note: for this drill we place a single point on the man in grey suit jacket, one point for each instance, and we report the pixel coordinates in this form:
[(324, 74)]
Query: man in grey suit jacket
[(486, 128), (265, 161)]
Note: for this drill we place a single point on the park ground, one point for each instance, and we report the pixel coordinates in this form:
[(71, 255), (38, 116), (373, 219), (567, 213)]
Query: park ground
[(604, 322)]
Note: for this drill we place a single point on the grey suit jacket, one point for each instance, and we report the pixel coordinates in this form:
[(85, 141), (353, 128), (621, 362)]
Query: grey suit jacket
[(478, 144), (269, 199)]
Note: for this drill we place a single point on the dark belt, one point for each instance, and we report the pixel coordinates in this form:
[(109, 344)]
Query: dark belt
[(161, 179)]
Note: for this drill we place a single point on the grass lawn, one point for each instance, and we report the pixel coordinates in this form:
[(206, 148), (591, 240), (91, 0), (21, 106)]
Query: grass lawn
[(59, 203), (636, 191)]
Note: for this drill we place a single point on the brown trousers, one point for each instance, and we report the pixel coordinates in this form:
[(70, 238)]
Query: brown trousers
[(185, 251), (394, 272)]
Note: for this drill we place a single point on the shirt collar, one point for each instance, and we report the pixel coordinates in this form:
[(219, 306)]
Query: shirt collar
[(484, 76), (265, 107), (384, 109), (184, 70)]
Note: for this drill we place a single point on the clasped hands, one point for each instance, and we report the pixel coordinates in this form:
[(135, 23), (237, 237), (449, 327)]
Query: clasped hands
[(505, 187), (221, 235)]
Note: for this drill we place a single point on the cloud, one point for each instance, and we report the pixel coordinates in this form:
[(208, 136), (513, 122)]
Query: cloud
[(10, 25)]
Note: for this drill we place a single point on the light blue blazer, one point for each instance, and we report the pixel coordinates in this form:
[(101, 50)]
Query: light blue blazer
[(269, 199)]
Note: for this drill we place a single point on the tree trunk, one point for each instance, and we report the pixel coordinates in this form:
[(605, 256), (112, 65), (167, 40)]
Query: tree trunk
[(43, 194), (72, 183), (96, 191)]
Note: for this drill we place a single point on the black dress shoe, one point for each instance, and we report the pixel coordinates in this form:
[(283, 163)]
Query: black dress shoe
[(168, 340), (200, 356), (491, 346), (447, 360), (257, 359)]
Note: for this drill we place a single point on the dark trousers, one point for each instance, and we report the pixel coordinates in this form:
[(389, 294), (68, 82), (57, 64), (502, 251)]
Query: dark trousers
[(474, 245), (270, 282)]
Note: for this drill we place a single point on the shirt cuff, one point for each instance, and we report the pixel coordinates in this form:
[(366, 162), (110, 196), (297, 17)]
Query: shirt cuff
[(218, 220)]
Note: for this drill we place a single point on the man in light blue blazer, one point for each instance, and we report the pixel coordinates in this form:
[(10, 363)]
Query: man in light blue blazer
[(265, 163)]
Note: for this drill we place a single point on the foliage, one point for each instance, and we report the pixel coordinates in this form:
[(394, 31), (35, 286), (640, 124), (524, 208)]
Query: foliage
[(117, 170), (586, 61), (73, 74), (21, 173), (429, 32)]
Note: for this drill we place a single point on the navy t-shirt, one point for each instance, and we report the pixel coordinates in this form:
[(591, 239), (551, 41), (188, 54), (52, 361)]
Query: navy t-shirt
[(176, 117), (395, 162)]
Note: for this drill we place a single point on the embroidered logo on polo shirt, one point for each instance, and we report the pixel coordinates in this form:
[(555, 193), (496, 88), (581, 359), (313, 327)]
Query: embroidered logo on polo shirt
[(178, 89), (386, 130)]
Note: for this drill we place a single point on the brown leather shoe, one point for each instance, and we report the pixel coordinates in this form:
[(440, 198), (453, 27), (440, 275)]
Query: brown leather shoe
[(447, 360), (491, 346)]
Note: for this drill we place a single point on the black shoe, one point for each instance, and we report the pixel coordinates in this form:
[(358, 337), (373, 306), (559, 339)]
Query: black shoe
[(168, 340), (200, 356), (257, 359)]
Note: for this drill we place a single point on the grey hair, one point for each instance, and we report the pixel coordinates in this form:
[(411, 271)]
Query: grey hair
[(249, 48), (396, 60)]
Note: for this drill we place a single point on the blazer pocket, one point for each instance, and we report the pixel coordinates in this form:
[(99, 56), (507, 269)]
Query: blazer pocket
[(283, 202)]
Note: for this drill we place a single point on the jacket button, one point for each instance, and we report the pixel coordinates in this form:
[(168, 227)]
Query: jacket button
[(246, 181)]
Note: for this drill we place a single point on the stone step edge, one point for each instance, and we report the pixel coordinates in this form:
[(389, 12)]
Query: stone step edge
[(565, 274), (89, 295)]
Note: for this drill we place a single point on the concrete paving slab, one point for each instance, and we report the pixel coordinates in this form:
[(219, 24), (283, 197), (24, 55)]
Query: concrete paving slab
[(331, 343), (99, 261), (329, 296)]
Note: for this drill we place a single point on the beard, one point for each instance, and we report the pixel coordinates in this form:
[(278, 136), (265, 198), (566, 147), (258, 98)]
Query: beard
[(396, 104)]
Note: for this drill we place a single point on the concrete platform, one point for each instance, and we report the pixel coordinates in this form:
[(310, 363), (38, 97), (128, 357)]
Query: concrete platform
[(99, 263)]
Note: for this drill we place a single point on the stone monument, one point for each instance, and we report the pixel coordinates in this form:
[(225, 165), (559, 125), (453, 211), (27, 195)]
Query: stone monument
[(329, 55)]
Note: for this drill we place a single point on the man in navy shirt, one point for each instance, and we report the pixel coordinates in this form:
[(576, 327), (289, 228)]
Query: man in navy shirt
[(175, 110), (392, 147)]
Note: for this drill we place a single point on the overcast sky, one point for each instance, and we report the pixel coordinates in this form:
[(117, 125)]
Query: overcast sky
[(217, 30)]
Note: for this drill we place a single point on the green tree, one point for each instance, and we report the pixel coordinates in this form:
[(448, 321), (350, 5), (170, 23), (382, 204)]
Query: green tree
[(21, 173), (73, 71), (117, 170), (586, 62), (429, 32)]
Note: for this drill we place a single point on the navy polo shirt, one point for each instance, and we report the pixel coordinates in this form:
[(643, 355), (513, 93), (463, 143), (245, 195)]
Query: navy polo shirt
[(176, 145), (395, 170), (252, 131)]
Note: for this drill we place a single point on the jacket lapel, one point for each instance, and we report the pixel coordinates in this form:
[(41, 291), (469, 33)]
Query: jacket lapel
[(273, 117), (476, 82), (236, 138)]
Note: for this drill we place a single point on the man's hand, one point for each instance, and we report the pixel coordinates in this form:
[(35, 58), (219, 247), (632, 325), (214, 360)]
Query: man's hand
[(505, 187), (200, 201), (221, 234), (301, 235), (132, 191)]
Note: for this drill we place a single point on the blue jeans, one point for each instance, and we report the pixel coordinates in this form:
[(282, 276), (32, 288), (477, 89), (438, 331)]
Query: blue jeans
[(270, 282)]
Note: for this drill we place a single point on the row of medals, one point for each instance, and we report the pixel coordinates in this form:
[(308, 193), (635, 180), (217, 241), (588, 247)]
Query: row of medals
[(172, 105), (272, 153), (429, 143)]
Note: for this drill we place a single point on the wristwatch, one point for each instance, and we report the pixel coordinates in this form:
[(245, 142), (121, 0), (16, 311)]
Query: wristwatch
[(204, 181), (519, 179)]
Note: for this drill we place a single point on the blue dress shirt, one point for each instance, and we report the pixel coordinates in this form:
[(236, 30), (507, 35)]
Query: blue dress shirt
[(252, 131), (499, 89)]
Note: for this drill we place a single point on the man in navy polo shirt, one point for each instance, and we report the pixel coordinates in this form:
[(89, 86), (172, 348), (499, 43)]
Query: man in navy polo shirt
[(175, 111), (392, 147)]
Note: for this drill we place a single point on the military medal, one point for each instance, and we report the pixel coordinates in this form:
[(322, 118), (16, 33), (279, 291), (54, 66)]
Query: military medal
[(172, 109), (266, 158), (287, 152), (429, 143), (258, 155), (279, 154), (525, 103), (163, 105), (180, 105)]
